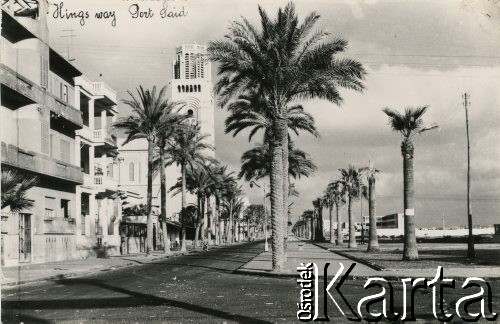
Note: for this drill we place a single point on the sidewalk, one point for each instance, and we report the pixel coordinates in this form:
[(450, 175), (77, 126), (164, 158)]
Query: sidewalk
[(303, 252), (32, 273), (321, 253)]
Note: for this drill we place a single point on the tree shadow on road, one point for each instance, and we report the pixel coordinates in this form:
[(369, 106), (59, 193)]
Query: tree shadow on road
[(12, 309)]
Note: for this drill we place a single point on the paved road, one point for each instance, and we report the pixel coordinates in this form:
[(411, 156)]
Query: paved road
[(193, 288)]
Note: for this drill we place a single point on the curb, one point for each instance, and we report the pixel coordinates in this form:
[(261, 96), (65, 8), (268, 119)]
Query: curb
[(348, 256), (89, 273)]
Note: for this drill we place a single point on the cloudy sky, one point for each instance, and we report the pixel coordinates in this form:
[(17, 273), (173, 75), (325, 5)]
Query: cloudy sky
[(415, 52)]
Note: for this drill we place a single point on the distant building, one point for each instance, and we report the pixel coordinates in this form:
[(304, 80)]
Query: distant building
[(388, 225), (54, 126), (191, 83)]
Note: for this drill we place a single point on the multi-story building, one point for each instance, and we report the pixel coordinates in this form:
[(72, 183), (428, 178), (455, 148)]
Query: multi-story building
[(52, 127), (97, 200)]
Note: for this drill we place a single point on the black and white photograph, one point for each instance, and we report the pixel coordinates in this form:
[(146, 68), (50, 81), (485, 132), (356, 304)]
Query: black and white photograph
[(252, 161)]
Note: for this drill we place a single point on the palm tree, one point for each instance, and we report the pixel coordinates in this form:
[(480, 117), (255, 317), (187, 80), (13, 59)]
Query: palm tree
[(351, 179), (408, 124), (222, 182), (144, 122), (308, 216), (233, 204), (171, 121), (251, 110), (14, 188), (256, 163), (187, 149), (370, 173), (318, 204), (198, 182), (337, 193), (284, 61), (329, 202)]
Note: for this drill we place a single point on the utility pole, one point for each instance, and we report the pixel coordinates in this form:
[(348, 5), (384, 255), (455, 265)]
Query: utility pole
[(470, 243), (69, 42)]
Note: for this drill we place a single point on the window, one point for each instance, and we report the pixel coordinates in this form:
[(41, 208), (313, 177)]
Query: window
[(65, 148), (65, 208), (52, 149), (111, 228), (45, 138), (63, 92), (83, 224), (44, 74), (49, 207), (131, 171), (64, 95)]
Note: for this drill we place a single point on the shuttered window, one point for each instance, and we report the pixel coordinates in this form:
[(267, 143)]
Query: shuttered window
[(45, 139), (44, 72), (65, 157)]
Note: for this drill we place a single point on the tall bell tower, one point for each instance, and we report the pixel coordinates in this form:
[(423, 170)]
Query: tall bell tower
[(192, 84)]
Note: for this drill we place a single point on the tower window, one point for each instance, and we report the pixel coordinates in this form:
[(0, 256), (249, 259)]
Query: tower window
[(199, 88), (190, 112), (183, 89), (178, 88), (190, 88)]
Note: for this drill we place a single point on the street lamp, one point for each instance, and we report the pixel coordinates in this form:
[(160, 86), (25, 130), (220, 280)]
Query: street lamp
[(252, 183)]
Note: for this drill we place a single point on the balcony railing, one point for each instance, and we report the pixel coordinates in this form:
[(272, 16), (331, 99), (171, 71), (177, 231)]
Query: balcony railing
[(105, 136), (36, 162), (102, 89), (59, 225), (105, 182)]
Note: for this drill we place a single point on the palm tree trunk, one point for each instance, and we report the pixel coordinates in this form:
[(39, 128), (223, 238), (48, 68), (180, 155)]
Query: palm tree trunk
[(352, 230), (284, 145), (332, 230), (320, 224), (163, 200), (217, 221), (313, 228), (183, 207), (410, 251), (149, 228), (199, 218), (230, 225), (204, 226), (277, 195), (373, 238), (340, 235)]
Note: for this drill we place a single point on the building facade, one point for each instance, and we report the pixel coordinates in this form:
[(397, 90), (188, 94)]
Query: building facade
[(98, 205), (48, 131)]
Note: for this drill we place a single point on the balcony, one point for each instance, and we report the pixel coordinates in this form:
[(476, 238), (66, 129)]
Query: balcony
[(102, 89), (106, 137), (35, 93), (44, 165), (99, 88), (105, 183), (59, 225)]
